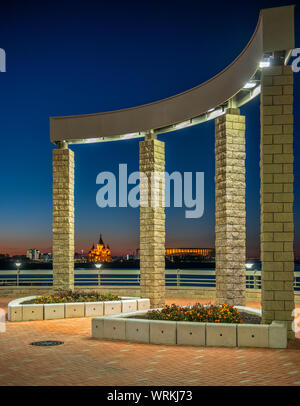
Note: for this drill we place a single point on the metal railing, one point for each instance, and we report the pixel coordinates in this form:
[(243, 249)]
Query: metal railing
[(204, 278)]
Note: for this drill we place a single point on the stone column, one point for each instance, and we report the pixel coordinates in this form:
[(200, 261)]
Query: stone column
[(152, 222), (276, 195), (230, 208), (63, 218)]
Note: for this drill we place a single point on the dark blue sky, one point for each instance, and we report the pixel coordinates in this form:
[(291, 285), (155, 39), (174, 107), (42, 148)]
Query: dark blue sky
[(66, 57)]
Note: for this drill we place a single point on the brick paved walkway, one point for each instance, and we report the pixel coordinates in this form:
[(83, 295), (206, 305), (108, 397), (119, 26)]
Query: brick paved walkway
[(86, 361)]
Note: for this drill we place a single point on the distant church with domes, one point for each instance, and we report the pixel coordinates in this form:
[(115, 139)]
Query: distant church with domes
[(100, 253)]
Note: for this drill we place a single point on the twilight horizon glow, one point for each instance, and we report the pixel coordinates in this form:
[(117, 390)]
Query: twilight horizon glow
[(100, 58)]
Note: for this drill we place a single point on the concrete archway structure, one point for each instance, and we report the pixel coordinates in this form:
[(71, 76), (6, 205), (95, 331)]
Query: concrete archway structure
[(218, 98)]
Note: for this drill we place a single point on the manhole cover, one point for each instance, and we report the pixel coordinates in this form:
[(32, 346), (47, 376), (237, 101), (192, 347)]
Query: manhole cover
[(46, 343)]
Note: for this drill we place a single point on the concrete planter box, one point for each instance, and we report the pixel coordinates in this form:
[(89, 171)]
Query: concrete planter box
[(129, 306), (221, 335), (278, 335), (54, 311), (137, 330), (93, 309), (162, 332), (33, 312), (114, 329), (74, 310), (153, 331), (112, 307), (98, 328), (189, 333), (252, 335), (17, 311), (143, 304)]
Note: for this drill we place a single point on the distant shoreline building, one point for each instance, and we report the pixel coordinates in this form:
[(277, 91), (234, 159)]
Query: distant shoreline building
[(201, 253), (182, 253), (47, 257), (33, 254), (100, 253)]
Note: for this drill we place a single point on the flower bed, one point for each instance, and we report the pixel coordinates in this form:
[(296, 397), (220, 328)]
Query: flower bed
[(139, 328), (198, 313), (73, 297), (52, 307)]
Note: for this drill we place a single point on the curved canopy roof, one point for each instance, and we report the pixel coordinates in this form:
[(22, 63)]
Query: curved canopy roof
[(234, 86)]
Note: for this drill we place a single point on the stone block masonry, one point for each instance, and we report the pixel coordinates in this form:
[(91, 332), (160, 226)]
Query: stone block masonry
[(276, 195), (230, 208), (63, 219), (152, 223)]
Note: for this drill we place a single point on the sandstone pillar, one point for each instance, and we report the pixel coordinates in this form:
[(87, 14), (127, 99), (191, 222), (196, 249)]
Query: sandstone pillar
[(230, 208), (63, 218), (276, 195), (152, 221)]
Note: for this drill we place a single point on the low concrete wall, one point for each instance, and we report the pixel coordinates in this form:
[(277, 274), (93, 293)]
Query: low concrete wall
[(119, 327), (22, 291), (252, 295), (18, 311)]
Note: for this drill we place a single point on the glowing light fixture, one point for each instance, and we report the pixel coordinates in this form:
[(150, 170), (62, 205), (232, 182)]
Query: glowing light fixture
[(256, 91), (128, 136), (249, 266), (249, 85), (264, 63), (183, 124), (91, 140), (98, 266), (215, 113)]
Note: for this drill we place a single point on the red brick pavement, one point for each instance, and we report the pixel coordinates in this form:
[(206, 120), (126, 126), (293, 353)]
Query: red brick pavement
[(83, 360)]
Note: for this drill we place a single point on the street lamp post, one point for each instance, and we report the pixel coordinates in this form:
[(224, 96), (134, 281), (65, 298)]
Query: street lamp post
[(98, 266), (18, 264)]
